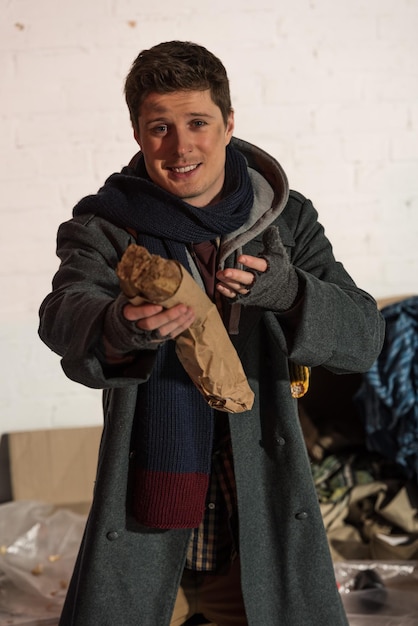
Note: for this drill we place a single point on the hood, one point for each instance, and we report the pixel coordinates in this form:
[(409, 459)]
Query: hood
[(271, 192)]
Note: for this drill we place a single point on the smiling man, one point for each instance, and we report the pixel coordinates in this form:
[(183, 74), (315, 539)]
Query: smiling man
[(183, 137), (246, 544)]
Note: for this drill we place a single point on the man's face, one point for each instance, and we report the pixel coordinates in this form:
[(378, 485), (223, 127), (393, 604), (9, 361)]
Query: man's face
[(183, 138)]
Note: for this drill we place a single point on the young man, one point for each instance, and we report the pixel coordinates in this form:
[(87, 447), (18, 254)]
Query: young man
[(256, 552)]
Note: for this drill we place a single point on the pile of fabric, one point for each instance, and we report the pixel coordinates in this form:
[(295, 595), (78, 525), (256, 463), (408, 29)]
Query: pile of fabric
[(388, 397), (361, 434)]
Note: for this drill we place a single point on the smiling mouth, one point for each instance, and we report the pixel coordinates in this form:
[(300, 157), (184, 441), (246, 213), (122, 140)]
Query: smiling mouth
[(184, 169)]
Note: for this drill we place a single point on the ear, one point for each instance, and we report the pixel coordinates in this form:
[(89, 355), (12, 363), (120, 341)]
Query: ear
[(136, 135), (230, 125)]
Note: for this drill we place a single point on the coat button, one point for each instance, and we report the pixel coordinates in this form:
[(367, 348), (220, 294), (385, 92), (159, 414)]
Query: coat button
[(279, 441), (301, 515), (112, 535)]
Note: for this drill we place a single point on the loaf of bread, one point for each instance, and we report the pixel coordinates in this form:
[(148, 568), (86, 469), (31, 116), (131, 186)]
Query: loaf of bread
[(148, 275)]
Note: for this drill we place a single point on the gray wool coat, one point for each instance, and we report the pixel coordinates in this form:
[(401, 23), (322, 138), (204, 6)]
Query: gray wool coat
[(127, 574)]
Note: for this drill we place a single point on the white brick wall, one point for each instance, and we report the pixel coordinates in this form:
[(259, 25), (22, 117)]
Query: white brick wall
[(330, 87)]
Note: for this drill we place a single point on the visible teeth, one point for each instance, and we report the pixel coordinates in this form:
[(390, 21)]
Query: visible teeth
[(183, 170)]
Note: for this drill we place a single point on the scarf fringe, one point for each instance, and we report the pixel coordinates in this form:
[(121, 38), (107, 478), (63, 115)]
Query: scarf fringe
[(169, 500)]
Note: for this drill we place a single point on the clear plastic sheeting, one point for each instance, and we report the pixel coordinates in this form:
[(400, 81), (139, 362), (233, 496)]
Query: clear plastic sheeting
[(376, 593), (39, 545), (38, 548)]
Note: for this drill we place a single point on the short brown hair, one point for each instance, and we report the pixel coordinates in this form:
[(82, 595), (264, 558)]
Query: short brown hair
[(176, 66)]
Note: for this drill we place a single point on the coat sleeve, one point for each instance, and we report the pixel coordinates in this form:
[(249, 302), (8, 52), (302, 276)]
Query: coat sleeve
[(72, 315), (339, 325)]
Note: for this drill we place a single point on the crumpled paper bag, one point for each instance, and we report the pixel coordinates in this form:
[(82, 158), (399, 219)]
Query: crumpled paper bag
[(205, 349)]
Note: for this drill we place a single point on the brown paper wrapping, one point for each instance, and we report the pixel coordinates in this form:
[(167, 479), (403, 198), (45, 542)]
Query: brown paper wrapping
[(204, 349)]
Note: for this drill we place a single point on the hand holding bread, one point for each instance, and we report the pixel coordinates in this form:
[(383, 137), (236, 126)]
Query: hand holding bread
[(204, 349)]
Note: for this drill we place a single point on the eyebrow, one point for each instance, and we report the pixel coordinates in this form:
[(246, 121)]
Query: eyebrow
[(160, 118)]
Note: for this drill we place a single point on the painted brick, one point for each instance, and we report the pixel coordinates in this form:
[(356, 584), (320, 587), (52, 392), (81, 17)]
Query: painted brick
[(329, 88)]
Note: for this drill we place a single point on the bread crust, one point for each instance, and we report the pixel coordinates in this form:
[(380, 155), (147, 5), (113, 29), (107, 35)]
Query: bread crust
[(148, 275)]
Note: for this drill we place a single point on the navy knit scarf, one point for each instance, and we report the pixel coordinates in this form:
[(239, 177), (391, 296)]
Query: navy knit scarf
[(173, 424)]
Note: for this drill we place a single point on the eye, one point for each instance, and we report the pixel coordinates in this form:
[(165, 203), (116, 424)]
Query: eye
[(160, 129), (198, 123)]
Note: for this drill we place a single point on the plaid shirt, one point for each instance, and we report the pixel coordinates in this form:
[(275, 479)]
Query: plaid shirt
[(215, 540)]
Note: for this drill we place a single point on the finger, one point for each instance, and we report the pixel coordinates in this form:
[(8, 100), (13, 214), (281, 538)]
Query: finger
[(159, 317), (134, 313), (232, 290), (226, 291), (253, 262), (174, 328), (168, 321), (236, 279)]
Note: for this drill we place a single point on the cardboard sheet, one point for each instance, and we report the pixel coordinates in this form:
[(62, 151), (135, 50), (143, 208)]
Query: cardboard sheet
[(55, 466)]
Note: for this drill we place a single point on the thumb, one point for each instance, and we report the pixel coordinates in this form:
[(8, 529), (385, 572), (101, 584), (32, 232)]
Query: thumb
[(272, 241)]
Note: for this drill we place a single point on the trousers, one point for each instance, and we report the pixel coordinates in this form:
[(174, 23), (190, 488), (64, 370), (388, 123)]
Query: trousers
[(217, 596)]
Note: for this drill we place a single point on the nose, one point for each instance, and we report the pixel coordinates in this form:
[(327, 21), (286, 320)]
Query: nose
[(181, 142)]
